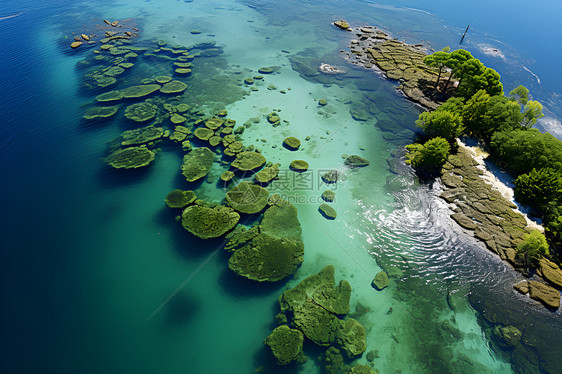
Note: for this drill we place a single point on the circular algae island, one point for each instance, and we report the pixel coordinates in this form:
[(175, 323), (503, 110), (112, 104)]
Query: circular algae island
[(206, 222), (130, 158)]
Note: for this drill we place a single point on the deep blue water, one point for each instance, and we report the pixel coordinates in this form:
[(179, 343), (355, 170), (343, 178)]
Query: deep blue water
[(88, 254)]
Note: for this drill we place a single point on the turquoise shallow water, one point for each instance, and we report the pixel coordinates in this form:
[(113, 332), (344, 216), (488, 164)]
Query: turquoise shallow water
[(98, 276)]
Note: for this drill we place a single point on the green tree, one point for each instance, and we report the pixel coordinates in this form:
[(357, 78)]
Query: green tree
[(539, 187), (456, 61), (531, 112), (520, 94), (428, 157), (440, 122), (533, 247), (476, 76), (438, 60)]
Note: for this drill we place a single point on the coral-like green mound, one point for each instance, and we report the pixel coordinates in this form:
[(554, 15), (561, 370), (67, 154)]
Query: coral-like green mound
[(141, 112), (197, 163), (206, 222), (299, 166), (328, 195), (342, 24), (271, 251), (126, 65), (142, 90), (180, 133), (182, 71), (214, 123), (215, 140), (322, 102), (265, 70), (362, 369), (114, 71), (203, 133), (285, 344), (351, 337), (292, 143), (162, 79), (101, 112), (180, 198), (327, 211), (380, 282), (355, 161), (173, 87), (247, 198), (227, 176), (267, 174), (273, 118), (177, 119), (330, 176), (142, 135), (233, 148), (105, 81), (248, 161), (109, 96), (130, 158)]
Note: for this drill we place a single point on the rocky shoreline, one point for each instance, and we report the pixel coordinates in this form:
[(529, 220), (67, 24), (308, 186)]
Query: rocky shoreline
[(476, 206)]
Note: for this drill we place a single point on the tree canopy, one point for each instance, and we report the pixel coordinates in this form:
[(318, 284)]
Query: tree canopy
[(441, 122), (428, 157)]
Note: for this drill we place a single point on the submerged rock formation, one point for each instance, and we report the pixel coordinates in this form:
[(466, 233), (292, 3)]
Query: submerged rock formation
[(209, 222), (197, 163), (285, 344), (130, 158)]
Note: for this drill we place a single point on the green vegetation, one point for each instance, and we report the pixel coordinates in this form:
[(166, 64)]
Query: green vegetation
[(533, 247), (478, 107), (428, 157)]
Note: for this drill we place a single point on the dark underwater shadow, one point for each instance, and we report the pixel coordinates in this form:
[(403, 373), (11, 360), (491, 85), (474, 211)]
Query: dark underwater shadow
[(113, 178), (239, 286), (181, 309)]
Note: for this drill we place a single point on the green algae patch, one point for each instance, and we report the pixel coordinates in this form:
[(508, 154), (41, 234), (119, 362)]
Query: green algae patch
[(362, 369), (101, 112), (299, 166), (114, 71), (141, 112), (105, 81), (291, 143), (197, 163), (142, 135), (267, 174), (130, 158), (214, 123), (322, 102), (327, 211), (285, 344), (162, 79), (180, 198), (110, 96), (248, 161), (265, 70), (206, 222), (328, 196), (355, 161), (215, 140), (180, 133), (183, 71), (183, 64), (351, 337), (139, 91), (203, 133), (233, 148), (177, 119), (247, 198), (126, 65), (381, 281), (227, 176), (173, 87)]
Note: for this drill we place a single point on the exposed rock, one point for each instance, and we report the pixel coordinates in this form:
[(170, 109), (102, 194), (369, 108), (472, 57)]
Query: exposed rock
[(75, 44), (327, 211), (322, 102), (550, 271), (381, 281), (508, 336), (522, 287), (292, 143), (285, 344), (464, 221), (299, 166), (342, 25), (328, 195), (547, 295), (356, 161), (265, 70)]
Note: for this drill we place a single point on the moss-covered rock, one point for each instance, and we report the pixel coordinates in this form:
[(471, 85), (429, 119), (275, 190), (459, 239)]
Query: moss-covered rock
[(215, 140), (139, 91), (180, 198), (328, 195), (267, 174), (180, 133), (271, 251), (101, 112), (330, 176), (142, 135), (177, 119), (227, 176), (507, 336), (285, 344), (249, 81), (105, 81), (265, 70), (381, 281), (333, 360), (141, 112), (214, 123), (299, 166), (206, 222), (173, 87), (273, 118), (361, 369), (110, 96), (114, 71), (547, 295), (197, 163), (327, 211), (291, 143), (351, 337), (203, 133), (322, 102), (248, 161), (232, 149), (342, 25), (162, 79), (247, 198), (356, 161), (130, 158), (183, 71), (126, 65)]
